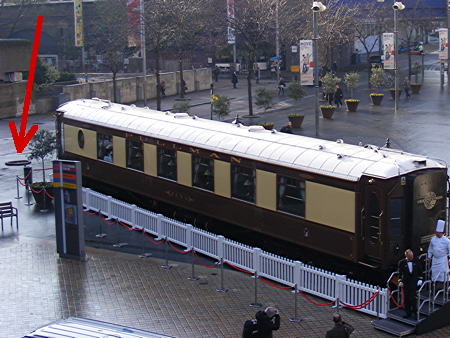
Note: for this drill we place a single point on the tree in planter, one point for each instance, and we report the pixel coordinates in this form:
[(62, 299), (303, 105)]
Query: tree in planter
[(221, 105), (329, 82), (181, 107), (295, 91), (351, 81), (377, 82), (264, 97)]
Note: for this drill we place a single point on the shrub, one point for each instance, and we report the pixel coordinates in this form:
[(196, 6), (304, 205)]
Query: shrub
[(328, 106), (351, 81), (64, 76), (181, 107), (295, 91), (42, 145), (329, 82), (221, 105), (295, 115), (44, 73), (377, 78), (264, 97)]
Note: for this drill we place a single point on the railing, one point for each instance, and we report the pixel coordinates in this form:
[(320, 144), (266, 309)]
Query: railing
[(359, 296)]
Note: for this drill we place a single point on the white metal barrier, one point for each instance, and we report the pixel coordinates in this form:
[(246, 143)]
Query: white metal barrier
[(307, 278)]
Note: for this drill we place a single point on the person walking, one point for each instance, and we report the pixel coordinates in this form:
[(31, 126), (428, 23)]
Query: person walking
[(287, 129), (234, 79), (338, 95), (162, 87), (281, 86), (406, 87), (266, 322), (409, 277), (334, 68), (216, 72), (341, 329), (438, 252)]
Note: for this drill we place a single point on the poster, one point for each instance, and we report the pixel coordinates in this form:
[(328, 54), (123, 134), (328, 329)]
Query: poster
[(443, 44), (78, 16), (230, 16), (306, 63), (133, 15), (388, 51)]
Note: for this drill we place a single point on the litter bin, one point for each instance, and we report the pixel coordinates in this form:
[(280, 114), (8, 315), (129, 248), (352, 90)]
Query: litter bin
[(28, 175)]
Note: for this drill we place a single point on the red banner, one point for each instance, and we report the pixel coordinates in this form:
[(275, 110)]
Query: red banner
[(134, 22)]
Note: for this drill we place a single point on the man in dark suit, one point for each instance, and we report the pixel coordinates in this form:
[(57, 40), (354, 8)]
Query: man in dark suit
[(410, 276)]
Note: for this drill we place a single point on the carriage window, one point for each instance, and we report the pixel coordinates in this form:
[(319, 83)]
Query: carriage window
[(135, 155), (167, 163), (395, 221), (291, 195), (104, 147), (243, 183), (203, 173)]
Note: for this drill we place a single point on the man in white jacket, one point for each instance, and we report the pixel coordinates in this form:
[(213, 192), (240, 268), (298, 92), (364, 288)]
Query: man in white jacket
[(438, 251)]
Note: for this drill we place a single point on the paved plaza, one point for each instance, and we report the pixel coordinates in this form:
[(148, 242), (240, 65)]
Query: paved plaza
[(37, 287)]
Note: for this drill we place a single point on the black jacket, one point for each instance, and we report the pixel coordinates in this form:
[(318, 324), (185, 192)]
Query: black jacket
[(409, 279), (266, 325), (340, 330)]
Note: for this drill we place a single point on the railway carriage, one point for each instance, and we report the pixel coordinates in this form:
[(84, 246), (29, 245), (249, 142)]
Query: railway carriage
[(362, 203)]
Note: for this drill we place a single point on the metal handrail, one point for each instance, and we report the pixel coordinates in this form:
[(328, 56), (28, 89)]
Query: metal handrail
[(435, 295), (419, 304), (394, 291)]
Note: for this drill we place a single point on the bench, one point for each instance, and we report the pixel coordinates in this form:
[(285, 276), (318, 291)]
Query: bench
[(7, 210)]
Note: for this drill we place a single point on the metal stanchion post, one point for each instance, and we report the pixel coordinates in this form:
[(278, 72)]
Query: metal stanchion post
[(222, 289), (17, 186), (255, 303), (295, 319), (144, 254), (166, 266), (28, 192), (192, 277), (100, 234)]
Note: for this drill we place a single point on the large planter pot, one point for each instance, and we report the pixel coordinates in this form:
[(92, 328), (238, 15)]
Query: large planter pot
[(327, 111), (392, 91), (267, 126), (376, 99), (42, 197), (296, 121), (352, 105), (415, 88)]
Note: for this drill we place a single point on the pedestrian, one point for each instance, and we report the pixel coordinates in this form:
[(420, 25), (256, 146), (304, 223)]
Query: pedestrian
[(409, 277), (234, 79), (216, 72), (329, 97), (334, 68), (438, 252), (162, 87), (341, 329), (406, 87), (281, 86), (183, 85), (338, 95), (266, 322), (287, 128)]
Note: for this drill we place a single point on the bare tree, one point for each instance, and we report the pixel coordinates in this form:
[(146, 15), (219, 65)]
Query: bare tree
[(109, 35), (11, 18)]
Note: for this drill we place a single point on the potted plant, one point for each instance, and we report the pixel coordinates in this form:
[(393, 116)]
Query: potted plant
[(377, 82), (42, 145), (296, 120), (351, 81), (415, 86), (181, 107), (220, 105), (329, 82), (392, 91), (295, 91), (267, 125), (264, 97)]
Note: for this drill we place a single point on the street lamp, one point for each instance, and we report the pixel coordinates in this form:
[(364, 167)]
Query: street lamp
[(397, 6), (317, 7), (143, 50)]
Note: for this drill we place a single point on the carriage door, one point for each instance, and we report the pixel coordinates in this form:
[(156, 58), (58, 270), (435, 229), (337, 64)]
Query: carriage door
[(372, 223)]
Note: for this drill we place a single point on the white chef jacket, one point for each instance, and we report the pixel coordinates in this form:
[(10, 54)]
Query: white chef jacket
[(439, 250)]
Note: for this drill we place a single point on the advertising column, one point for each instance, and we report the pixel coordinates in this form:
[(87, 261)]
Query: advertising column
[(68, 209), (388, 51), (306, 63)]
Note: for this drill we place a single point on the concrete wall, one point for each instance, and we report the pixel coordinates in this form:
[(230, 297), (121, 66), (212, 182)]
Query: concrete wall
[(14, 55), (130, 90)]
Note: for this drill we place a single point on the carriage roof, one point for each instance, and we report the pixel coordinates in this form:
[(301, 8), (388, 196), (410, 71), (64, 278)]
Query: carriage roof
[(335, 159)]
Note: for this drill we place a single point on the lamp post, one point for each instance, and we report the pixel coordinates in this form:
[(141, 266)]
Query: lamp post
[(316, 8), (277, 41), (448, 49), (397, 6), (143, 51)]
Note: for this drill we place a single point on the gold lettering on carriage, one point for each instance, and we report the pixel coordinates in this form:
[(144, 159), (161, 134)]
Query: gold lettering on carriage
[(178, 195), (429, 200)]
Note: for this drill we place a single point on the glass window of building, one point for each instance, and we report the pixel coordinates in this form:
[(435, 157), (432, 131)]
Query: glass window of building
[(167, 163), (104, 147), (203, 173), (291, 195), (135, 155), (243, 183)]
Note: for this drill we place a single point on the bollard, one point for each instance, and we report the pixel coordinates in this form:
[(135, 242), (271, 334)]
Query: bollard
[(166, 266), (100, 233), (144, 254), (192, 277), (17, 186), (222, 289), (295, 319), (28, 192), (255, 303)]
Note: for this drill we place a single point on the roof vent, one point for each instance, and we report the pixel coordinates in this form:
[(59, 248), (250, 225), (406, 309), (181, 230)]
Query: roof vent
[(123, 108), (180, 115), (339, 140), (147, 107), (194, 117), (420, 162), (274, 131), (339, 156), (132, 105), (253, 129), (320, 147)]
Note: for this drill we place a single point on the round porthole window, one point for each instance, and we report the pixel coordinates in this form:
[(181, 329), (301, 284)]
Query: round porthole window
[(81, 139)]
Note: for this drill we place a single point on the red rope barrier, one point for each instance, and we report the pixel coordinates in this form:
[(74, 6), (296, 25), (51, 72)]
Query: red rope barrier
[(203, 264), (48, 195), (128, 226), (395, 302), (177, 250), (238, 268), (23, 179), (109, 223), (362, 305), (35, 191), (90, 213), (152, 241), (275, 286), (313, 302), (22, 184)]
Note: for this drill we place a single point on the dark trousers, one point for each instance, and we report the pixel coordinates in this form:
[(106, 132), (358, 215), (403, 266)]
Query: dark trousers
[(410, 299), (338, 101)]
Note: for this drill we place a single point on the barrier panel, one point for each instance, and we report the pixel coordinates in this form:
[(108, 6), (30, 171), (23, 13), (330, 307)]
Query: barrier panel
[(265, 265)]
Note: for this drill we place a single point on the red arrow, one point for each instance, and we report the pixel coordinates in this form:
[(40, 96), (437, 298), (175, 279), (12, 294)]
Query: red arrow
[(22, 139)]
